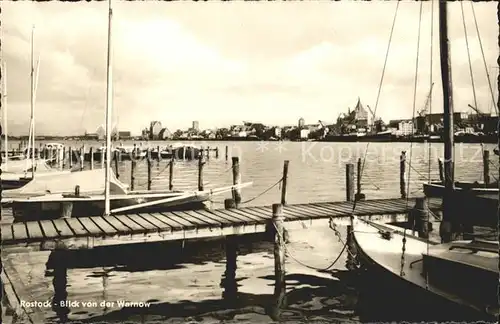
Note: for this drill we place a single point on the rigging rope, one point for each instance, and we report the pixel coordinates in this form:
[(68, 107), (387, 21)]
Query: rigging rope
[(470, 67), (378, 93), (402, 273), (484, 59)]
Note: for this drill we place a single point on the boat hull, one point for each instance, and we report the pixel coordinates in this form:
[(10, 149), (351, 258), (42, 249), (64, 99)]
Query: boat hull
[(29, 211), (384, 295)]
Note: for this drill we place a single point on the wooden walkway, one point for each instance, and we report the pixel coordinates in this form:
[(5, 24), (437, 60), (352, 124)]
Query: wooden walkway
[(89, 232)]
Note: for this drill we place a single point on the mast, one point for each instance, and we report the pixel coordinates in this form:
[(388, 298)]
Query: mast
[(446, 228), (109, 105), (32, 94), (4, 107)]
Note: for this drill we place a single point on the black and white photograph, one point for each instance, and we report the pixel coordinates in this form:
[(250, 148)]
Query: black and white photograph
[(249, 161)]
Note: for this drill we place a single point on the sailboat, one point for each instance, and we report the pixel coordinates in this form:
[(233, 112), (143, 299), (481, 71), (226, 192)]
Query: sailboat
[(98, 192), (414, 279), (15, 172)]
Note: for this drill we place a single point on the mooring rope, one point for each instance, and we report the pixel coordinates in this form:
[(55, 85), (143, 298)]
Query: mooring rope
[(378, 93), (289, 252), (264, 192)]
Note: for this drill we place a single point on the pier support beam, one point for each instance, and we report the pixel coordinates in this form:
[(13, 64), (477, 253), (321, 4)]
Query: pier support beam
[(59, 283), (359, 196), (402, 172), (278, 222), (236, 180), (349, 182), (419, 217), (228, 281)]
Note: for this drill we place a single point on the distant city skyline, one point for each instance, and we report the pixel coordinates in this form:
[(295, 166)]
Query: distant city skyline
[(231, 62)]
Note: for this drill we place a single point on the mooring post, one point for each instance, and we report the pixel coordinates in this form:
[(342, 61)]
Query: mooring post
[(91, 153), (171, 173), (208, 152), (228, 281), (236, 180), (148, 160), (158, 158), (486, 167), (70, 157), (82, 156), (402, 171), (349, 181), (132, 175), (441, 170), (284, 182), (278, 222), (359, 196), (64, 157), (117, 170), (103, 153), (217, 152), (419, 217), (350, 263), (201, 163), (227, 152)]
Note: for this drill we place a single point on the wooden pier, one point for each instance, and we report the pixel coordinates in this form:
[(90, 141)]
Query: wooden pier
[(89, 232)]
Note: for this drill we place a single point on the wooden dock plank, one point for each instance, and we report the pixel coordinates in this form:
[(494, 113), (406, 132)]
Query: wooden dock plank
[(90, 226), (179, 220), (229, 218), (182, 224), (245, 216), (196, 220), (7, 234), (161, 226), (76, 227), (62, 228), (204, 216), (224, 219), (49, 229), (164, 219), (259, 214), (332, 211), (143, 223), (19, 231), (134, 227), (104, 225), (34, 230), (119, 226)]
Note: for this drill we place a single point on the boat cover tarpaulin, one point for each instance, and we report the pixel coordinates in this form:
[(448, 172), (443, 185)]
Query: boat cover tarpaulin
[(90, 182), (20, 166)]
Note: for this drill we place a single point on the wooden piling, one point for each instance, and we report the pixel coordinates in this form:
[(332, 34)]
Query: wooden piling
[(278, 221), (63, 157), (402, 171), (82, 156), (158, 158), (236, 180), (486, 167), (359, 196), (70, 157), (349, 182), (171, 173), (201, 163), (59, 282), (208, 152), (217, 152), (284, 182), (228, 281), (132, 175), (91, 153), (103, 153), (117, 170), (441, 170), (227, 152), (419, 217), (148, 160)]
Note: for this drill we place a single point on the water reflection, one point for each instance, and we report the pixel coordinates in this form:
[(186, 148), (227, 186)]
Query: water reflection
[(242, 294)]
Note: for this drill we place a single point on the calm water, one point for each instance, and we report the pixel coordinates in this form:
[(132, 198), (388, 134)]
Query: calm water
[(183, 281)]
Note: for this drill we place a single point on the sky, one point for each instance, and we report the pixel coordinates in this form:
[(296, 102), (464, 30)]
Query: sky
[(222, 63)]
